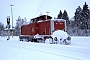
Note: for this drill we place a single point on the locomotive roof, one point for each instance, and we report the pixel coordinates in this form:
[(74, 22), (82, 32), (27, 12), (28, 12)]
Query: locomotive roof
[(42, 16)]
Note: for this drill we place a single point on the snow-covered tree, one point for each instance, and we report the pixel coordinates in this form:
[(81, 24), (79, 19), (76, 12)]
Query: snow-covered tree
[(82, 20), (19, 22), (85, 17), (78, 16)]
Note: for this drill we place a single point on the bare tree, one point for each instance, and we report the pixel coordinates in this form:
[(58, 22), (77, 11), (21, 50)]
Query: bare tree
[(19, 22)]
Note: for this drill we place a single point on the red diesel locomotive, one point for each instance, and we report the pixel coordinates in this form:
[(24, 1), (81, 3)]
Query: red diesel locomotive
[(43, 25)]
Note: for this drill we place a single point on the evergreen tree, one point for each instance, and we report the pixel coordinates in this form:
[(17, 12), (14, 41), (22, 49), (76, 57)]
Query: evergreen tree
[(78, 17), (85, 12), (89, 20), (85, 18), (60, 15), (65, 15), (82, 20)]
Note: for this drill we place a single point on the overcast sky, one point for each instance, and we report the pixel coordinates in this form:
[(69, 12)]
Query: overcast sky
[(33, 8)]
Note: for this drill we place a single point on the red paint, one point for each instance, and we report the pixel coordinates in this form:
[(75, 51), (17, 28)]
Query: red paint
[(44, 28)]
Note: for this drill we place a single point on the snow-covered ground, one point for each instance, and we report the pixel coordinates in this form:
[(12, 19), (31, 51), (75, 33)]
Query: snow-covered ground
[(13, 49)]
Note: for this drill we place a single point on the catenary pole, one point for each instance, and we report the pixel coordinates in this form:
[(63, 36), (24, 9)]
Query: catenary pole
[(12, 18)]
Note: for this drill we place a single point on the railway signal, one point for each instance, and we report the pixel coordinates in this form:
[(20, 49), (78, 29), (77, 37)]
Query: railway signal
[(8, 20), (8, 27)]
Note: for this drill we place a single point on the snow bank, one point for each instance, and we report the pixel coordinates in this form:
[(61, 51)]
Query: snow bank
[(61, 37), (60, 34)]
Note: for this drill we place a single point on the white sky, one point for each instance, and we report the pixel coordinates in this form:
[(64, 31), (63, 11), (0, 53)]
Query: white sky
[(33, 8)]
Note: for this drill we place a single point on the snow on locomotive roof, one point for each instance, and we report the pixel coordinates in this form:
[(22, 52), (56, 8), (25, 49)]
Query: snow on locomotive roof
[(59, 19)]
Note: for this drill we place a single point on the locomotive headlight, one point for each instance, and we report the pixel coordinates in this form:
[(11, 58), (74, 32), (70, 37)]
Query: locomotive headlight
[(56, 23), (61, 23)]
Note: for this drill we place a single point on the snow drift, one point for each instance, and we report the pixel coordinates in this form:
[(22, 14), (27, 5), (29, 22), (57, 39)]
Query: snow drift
[(60, 34), (61, 37)]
